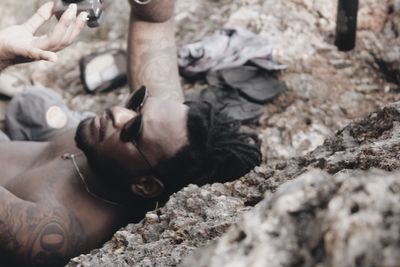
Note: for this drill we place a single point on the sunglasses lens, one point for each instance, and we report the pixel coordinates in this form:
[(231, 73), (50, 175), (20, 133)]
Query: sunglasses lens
[(136, 99), (131, 130)]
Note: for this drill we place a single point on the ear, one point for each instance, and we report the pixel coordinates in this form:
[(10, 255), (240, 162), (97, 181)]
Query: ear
[(147, 186)]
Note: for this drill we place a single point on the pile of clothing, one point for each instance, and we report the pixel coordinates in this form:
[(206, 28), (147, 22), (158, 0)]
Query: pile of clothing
[(238, 67)]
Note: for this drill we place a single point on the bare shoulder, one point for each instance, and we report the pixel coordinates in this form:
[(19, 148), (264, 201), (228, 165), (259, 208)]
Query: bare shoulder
[(37, 235), (16, 157)]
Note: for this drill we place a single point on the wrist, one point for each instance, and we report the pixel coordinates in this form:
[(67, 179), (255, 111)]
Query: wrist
[(156, 11)]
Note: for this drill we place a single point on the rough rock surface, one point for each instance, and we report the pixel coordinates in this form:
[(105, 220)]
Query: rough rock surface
[(349, 219)]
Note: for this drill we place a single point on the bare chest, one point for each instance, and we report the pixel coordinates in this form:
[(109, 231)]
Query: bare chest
[(45, 183), (57, 185)]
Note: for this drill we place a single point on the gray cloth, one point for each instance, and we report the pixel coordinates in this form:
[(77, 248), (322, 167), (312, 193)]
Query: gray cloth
[(228, 48), (3, 137), (39, 114)]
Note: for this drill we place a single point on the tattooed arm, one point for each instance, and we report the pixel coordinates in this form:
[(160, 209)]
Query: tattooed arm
[(152, 49), (31, 235)]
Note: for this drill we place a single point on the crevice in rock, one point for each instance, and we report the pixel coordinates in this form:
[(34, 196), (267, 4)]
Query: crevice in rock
[(390, 75), (253, 201), (355, 208), (318, 252), (240, 237)]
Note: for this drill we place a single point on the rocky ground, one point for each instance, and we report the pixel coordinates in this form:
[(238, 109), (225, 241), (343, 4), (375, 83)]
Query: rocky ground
[(331, 213), (332, 207), (326, 90)]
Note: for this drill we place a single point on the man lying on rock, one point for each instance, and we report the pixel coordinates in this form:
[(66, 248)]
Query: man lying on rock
[(69, 195)]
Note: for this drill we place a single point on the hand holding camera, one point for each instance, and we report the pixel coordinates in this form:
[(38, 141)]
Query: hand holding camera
[(19, 43)]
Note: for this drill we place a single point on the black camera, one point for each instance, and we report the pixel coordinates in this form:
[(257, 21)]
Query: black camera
[(92, 7)]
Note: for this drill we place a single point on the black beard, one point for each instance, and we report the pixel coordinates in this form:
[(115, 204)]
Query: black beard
[(108, 171), (82, 140)]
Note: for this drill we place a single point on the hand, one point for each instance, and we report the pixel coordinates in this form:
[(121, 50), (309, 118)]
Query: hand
[(18, 44)]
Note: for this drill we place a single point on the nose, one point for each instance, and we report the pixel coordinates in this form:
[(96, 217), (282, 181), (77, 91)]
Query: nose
[(121, 116)]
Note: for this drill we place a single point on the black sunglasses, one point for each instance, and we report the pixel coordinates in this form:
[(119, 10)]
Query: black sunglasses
[(133, 128), (137, 98)]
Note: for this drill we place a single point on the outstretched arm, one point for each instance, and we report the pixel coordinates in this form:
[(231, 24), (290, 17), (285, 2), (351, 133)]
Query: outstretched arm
[(18, 44), (152, 49), (31, 235)]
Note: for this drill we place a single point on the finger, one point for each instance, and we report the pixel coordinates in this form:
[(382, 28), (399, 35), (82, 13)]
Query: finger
[(67, 36), (49, 56), (79, 25), (42, 37), (68, 17), (61, 28), (42, 15), (41, 41), (54, 40), (38, 54), (73, 31)]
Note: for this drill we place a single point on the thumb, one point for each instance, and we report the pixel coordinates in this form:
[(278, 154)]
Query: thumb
[(40, 54)]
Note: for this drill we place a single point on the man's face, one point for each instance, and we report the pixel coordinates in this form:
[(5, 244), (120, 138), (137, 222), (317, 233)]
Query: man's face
[(162, 133)]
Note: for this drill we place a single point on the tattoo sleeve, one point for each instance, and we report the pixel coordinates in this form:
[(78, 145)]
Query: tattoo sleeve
[(31, 235)]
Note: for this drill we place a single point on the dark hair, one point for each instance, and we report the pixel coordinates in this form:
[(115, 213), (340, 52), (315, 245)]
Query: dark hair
[(217, 150)]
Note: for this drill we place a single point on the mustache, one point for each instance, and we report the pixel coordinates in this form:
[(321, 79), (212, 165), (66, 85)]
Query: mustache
[(109, 114), (103, 126), (81, 139)]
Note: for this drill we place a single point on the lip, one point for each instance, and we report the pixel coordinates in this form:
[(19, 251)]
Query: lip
[(102, 126), (96, 126)]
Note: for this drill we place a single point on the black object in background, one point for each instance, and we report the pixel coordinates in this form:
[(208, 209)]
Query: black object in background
[(92, 7), (346, 24)]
